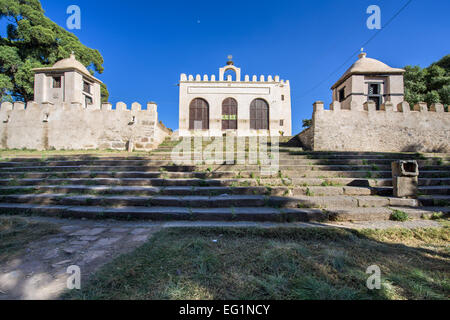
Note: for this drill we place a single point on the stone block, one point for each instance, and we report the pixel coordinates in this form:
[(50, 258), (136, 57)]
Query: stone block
[(152, 107), (402, 168), (120, 106), (370, 106), (388, 107), (32, 106), (421, 107), (136, 107), (405, 186), (437, 107), (19, 105), (318, 106), (107, 106), (335, 106), (7, 106), (403, 107)]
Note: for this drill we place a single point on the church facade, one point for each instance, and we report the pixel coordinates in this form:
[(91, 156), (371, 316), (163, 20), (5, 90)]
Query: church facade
[(234, 105)]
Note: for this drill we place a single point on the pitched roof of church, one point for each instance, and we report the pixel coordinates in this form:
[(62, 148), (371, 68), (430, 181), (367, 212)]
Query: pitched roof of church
[(367, 66), (69, 64)]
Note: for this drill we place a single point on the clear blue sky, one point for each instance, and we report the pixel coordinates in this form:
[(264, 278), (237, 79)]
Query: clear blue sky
[(148, 44)]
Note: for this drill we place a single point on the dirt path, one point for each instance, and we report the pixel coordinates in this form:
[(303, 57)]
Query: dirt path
[(41, 273)]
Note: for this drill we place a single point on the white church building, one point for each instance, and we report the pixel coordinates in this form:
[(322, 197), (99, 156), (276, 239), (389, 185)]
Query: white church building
[(234, 105)]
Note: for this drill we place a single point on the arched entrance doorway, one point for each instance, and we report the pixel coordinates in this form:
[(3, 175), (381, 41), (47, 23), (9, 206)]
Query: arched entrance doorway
[(199, 115), (259, 115), (229, 114)]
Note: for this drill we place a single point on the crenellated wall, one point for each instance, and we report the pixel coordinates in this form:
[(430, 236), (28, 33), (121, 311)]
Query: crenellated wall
[(66, 126), (391, 129)]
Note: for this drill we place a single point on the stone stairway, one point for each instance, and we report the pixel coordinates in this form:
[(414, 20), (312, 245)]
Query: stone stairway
[(347, 186)]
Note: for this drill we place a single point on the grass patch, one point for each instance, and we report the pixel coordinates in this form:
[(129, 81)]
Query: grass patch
[(17, 233), (398, 215), (284, 263)]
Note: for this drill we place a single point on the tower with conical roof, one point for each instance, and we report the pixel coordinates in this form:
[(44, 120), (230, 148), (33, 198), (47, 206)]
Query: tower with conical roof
[(369, 80), (68, 81)]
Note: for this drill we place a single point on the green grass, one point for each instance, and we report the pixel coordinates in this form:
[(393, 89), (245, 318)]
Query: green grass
[(278, 264), (398, 215), (17, 233)]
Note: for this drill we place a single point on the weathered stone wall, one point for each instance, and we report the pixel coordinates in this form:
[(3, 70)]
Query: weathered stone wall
[(306, 138), (392, 129), (73, 127)]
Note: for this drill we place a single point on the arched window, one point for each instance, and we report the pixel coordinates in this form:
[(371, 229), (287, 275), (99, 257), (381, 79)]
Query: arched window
[(230, 72), (229, 114), (259, 115), (199, 115)]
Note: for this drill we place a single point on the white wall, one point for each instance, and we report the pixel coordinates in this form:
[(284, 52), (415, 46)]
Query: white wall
[(244, 92)]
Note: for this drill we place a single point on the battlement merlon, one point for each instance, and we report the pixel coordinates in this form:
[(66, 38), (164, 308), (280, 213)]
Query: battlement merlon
[(184, 78)]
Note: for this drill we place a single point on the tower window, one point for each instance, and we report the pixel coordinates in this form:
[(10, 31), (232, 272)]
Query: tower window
[(282, 97), (374, 94), (374, 88), (281, 123), (88, 101), (342, 94), (86, 87), (56, 82)]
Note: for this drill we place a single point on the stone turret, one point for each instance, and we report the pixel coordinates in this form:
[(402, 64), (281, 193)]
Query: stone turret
[(67, 81), (369, 80)]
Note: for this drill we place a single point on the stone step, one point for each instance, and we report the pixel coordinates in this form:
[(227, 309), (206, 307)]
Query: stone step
[(378, 214), (210, 202), (435, 200), (100, 168), (387, 182), (109, 174), (358, 174), (189, 190), (435, 190), (262, 214), (206, 180), (325, 202), (297, 163), (290, 171), (368, 156), (121, 182)]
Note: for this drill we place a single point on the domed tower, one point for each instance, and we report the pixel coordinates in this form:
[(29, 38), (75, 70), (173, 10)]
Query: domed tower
[(369, 80), (67, 81)]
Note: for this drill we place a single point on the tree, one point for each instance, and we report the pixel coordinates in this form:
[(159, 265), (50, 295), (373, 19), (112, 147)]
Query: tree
[(33, 41), (431, 85), (307, 123)]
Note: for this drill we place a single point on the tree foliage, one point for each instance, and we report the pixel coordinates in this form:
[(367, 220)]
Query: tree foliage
[(431, 85), (32, 41), (307, 123)]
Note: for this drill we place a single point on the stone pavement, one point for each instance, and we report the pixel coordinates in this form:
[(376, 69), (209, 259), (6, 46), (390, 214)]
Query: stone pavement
[(41, 272)]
